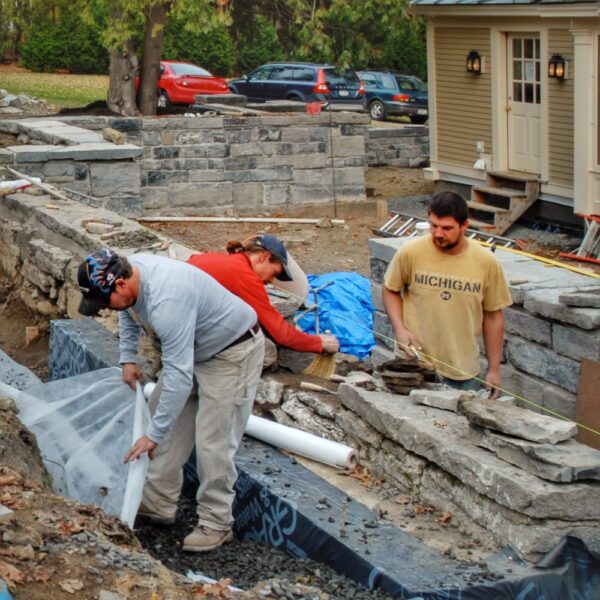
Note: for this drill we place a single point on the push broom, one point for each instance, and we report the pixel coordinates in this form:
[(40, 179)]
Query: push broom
[(323, 365)]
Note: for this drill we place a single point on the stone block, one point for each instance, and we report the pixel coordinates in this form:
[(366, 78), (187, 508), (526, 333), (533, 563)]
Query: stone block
[(383, 330), (59, 168), (114, 178), (565, 462), (129, 206), (376, 289), (41, 280), (349, 146), (239, 163), (419, 430), (442, 399), (356, 428), (275, 195), (166, 178), (522, 323), (202, 175), (576, 343), (155, 138), (207, 194), (323, 404), (162, 152), (590, 299), (402, 467), (270, 134), (269, 393), (380, 355), (516, 421), (238, 136), (307, 420), (545, 302), (6, 157), (204, 151), (543, 362), (6, 514), (248, 194), (49, 259)]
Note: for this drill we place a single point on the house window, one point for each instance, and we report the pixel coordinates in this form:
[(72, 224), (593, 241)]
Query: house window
[(526, 67)]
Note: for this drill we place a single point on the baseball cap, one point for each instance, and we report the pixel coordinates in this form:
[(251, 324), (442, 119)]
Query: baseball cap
[(97, 275), (277, 249)]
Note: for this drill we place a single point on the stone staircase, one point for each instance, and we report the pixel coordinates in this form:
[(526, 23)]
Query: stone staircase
[(495, 206)]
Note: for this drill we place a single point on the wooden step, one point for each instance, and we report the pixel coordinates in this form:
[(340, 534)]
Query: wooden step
[(475, 224), (500, 191), (486, 207), (515, 175)]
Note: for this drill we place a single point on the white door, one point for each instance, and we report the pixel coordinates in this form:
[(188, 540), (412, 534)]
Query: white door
[(524, 97)]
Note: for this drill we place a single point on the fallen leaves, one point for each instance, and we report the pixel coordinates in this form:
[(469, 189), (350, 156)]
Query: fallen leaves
[(362, 474), (71, 526), (125, 584), (42, 575), (8, 480), (19, 552), (11, 575), (421, 510), (445, 517), (8, 500), (219, 589), (440, 423), (71, 585)]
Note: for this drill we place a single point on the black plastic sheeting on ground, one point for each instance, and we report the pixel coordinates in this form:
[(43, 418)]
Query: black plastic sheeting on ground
[(281, 503)]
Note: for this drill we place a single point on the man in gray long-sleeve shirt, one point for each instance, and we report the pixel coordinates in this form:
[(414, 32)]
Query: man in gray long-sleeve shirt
[(212, 353)]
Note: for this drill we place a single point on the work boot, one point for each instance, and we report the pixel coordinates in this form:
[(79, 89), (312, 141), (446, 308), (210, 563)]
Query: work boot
[(146, 514), (204, 538)]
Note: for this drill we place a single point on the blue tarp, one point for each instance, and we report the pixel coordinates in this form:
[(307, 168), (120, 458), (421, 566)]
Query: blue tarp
[(345, 309)]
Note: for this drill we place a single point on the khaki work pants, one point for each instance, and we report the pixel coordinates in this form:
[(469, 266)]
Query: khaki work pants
[(214, 417), (270, 353)]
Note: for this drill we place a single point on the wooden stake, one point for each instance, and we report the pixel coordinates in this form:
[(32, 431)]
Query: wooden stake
[(299, 221)]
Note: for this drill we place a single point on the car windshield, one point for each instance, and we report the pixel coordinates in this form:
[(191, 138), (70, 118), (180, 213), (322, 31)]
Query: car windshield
[(183, 69), (347, 77), (411, 84)]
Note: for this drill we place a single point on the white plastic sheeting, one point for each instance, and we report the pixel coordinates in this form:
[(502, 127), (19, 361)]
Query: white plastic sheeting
[(84, 426)]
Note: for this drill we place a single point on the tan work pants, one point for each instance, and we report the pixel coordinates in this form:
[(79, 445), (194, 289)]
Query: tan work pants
[(270, 353), (214, 417)]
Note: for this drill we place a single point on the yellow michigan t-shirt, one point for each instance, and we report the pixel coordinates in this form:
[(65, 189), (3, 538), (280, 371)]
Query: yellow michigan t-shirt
[(444, 297)]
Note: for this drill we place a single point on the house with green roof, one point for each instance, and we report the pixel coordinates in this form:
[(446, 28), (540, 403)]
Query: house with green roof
[(514, 105)]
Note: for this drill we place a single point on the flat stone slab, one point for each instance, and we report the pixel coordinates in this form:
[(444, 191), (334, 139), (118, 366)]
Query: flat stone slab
[(585, 298), (564, 462), (442, 437), (86, 151), (516, 421), (442, 399)]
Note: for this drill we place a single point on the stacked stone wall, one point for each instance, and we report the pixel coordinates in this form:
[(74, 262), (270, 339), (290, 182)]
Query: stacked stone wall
[(401, 146)]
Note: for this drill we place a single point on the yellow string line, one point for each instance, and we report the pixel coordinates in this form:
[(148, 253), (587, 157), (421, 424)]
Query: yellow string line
[(441, 362), (548, 261)]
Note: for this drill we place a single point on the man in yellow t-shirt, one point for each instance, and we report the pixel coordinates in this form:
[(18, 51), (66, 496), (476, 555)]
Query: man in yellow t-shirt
[(443, 290)]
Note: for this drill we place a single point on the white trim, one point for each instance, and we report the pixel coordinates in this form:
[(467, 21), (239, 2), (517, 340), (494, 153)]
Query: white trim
[(509, 10), (499, 96), (431, 80)]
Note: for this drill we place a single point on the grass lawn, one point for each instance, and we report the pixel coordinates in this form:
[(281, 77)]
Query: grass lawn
[(56, 88)]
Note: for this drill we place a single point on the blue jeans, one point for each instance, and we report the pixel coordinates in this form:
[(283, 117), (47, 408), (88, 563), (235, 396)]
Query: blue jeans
[(465, 385)]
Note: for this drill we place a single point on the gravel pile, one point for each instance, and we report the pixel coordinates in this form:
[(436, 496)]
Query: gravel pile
[(245, 563)]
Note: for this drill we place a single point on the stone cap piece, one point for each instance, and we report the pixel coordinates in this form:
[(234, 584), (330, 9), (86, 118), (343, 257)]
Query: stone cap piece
[(516, 421)]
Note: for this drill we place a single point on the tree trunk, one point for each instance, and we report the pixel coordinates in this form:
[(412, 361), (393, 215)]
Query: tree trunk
[(156, 17), (121, 86)]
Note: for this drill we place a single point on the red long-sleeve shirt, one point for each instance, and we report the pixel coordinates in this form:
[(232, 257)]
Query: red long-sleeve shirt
[(234, 272)]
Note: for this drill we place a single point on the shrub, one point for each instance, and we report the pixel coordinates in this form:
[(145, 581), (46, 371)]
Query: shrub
[(212, 50), (65, 43)]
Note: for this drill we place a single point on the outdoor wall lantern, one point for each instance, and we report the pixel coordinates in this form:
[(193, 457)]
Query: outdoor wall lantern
[(474, 62), (557, 67)]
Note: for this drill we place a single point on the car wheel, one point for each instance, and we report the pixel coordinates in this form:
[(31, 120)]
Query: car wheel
[(233, 89), (418, 119), (163, 100), (294, 98), (377, 110)]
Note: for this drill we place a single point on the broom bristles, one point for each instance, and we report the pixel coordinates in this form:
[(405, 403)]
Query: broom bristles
[(322, 366)]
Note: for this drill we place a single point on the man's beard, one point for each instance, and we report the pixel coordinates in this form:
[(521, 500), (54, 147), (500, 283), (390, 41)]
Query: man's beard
[(447, 246)]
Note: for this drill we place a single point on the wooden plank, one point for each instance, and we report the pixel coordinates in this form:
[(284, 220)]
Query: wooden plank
[(587, 405)]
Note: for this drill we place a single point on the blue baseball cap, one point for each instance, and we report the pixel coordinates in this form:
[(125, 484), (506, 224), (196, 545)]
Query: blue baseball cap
[(97, 276), (275, 246)]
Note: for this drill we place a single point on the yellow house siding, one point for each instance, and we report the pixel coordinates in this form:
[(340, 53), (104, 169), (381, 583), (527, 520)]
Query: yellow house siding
[(463, 100), (560, 112)]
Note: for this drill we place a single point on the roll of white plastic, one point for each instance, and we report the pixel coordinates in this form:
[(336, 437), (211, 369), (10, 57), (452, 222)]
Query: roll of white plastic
[(294, 440), (302, 443)]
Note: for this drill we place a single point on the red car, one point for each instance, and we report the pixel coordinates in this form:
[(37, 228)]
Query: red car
[(179, 82)]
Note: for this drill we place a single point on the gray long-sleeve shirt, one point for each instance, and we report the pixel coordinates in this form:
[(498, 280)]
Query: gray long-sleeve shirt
[(193, 316)]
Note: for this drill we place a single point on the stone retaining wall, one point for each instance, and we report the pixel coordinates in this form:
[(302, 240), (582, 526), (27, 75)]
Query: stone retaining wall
[(402, 146), (211, 164), (545, 339)]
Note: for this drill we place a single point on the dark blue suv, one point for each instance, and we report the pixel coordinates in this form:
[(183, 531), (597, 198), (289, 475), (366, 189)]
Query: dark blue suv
[(304, 82), (394, 94)]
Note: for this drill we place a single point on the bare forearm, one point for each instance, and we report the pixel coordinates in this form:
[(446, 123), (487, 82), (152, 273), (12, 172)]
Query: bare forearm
[(392, 302), (493, 337)]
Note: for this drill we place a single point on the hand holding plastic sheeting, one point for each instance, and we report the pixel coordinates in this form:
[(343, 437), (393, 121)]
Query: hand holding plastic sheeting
[(132, 374), (141, 446), (83, 426)]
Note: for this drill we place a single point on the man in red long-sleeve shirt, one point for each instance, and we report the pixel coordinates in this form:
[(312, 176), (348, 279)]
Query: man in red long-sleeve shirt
[(245, 271)]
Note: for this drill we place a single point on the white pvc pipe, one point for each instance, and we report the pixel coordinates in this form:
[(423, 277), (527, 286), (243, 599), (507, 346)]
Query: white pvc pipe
[(296, 441), (302, 443)]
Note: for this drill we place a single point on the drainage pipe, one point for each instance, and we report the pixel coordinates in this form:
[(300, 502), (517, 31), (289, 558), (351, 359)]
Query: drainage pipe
[(296, 441)]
